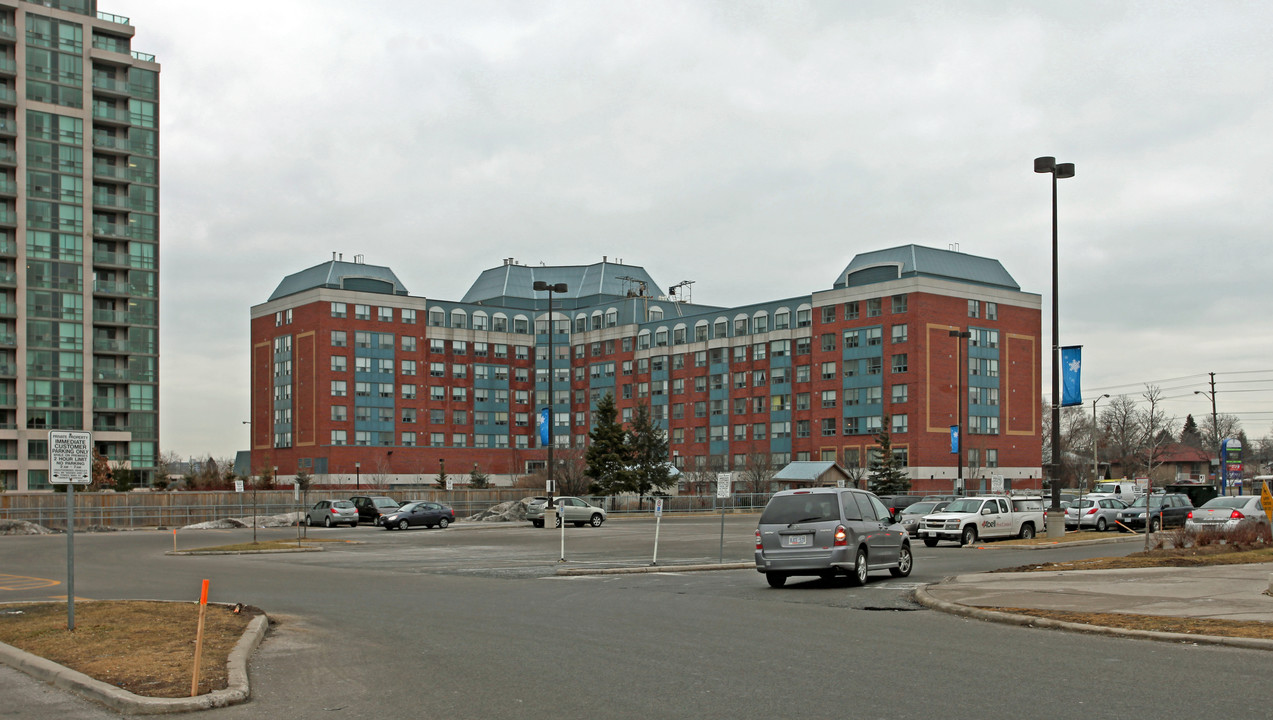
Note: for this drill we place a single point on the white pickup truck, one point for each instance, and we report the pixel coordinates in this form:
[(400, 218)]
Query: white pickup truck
[(999, 516)]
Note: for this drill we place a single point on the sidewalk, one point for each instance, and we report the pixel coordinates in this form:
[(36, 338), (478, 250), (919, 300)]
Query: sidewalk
[(1226, 592)]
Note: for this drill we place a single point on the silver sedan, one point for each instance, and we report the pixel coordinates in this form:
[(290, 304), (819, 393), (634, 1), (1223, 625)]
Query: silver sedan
[(1223, 514), (332, 512), (1098, 513)]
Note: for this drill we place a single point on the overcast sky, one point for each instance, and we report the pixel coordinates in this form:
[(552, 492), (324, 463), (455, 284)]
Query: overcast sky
[(752, 147)]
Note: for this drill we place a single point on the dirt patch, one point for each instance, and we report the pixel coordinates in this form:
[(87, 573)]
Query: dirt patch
[(267, 546), (1186, 626), (146, 648), (1168, 557)]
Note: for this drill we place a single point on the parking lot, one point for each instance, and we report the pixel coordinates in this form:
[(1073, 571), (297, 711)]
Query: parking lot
[(475, 622)]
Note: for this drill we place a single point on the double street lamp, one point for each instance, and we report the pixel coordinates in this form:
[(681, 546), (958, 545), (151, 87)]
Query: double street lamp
[(960, 336), (541, 286), (1095, 468), (1215, 424), (1059, 171)]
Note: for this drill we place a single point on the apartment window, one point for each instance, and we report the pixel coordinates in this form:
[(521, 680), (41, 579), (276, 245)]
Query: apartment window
[(408, 316), (900, 424), (802, 401), (852, 338), (437, 318), (408, 343), (740, 353), (828, 342), (852, 426), (408, 415), (803, 373), (408, 392), (740, 326), (900, 303), (851, 310), (782, 319), (828, 398), (802, 428), (828, 370), (384, 314), (437, 417), (339, 339), (829, 427), (852, 397), (899, 334), (408, 367), (459, 347), (338, 310), (874, 395), (992, 311), (437, 392), (339, 437), (804, 318), (759, 431), (362, 312), (972, 309), (874, 336), (339, 363), (828, 313), (874, 366), (459, 371), (481, 349), (339, 388), (779, 430), (900, 393), (340, 413), (899, 363), (700, 409), (992, 458), (874, 307), (437, 439)]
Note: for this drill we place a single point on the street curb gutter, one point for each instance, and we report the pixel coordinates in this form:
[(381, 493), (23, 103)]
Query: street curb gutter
[(237, 690), (654, 569), (923, 597)]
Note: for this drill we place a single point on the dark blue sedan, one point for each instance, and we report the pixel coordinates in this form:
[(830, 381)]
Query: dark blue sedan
[(427, 514)]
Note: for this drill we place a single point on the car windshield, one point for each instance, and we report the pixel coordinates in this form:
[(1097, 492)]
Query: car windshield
[(805, 507), (919, 508), (385, 502), (964, 506), (1140, 501), (1226, 502), (1085, 502)]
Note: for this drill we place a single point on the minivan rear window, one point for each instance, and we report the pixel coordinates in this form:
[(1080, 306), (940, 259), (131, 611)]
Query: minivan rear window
[(811, 507)]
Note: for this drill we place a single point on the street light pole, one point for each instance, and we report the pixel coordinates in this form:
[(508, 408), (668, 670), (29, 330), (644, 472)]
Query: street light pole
[(541, 286), (1058, 172), (1095, 471), (357, 476), (959, 336)]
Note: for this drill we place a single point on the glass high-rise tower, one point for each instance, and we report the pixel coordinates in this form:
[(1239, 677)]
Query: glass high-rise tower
[(79, 238)]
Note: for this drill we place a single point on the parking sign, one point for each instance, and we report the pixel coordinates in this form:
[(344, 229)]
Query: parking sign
[(70, 457)]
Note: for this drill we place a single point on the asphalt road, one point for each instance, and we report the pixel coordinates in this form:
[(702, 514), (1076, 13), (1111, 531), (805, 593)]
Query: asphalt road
[(465, 623)]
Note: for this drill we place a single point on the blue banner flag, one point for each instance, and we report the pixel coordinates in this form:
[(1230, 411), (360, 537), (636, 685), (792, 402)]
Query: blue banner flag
[(954, 439), (1071, 369), (543, 427)]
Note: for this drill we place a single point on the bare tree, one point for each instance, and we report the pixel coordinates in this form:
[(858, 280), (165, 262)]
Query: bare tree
[(758, 471), (1157, 430), (1120, 424), (571, 472)]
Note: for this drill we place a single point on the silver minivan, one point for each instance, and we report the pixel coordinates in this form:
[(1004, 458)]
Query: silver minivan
[(826, 531)]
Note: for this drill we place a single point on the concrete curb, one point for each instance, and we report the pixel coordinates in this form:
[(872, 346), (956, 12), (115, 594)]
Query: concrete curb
[(1059, 543), (237, 688), (654, 569), (923, 597), (242, 552)]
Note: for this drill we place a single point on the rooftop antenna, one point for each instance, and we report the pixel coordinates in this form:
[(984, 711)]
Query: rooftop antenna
[(687, 295), (638, 293)]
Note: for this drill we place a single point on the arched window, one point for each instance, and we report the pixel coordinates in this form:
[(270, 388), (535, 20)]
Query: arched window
[(612, 317), (459, 319), (782, 319), (481, 321), (700, 331), (499, 322)]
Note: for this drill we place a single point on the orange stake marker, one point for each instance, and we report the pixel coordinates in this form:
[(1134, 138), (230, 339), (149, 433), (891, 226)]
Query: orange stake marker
[(198, 641)]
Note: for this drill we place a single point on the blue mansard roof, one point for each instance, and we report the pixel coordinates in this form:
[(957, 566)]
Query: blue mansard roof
[(917, 260), (341, 275)]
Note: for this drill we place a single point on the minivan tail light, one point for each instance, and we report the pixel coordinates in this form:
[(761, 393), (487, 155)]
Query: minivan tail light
[(841, 536), (758, 546)]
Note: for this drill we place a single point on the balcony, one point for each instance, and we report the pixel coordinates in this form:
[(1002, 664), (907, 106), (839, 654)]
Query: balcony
[(8, 248), (102, 170), (8, 339), (110, 86), (109, 201), (8, 370), (111, 317), (102, 257), (116, 230), (110, 115), (101, 403), (9, 96), (110, 345), (8, 156), (8, 278), (8, 32), (8, 188), (102, 141)]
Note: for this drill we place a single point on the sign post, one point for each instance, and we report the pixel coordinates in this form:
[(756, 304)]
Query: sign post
[(70, 464), (1266, 500), (724, 486), (658, 518)]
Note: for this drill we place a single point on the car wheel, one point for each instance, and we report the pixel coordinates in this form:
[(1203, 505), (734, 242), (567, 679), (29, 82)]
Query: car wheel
[(1027, 532), (968, 536), (596, 520), (1100, 524), (537, 523), (1153, 525), (860, 568), (308, 522), (904, 562), (776, 579), (930, 542), (353, 524), (327, 522), (403, 524), (557, 522), (443, 523)]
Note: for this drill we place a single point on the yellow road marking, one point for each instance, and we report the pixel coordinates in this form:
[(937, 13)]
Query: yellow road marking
[(22, 582)]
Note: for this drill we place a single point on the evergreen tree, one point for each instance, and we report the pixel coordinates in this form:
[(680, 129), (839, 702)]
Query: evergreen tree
[(442, 476), (608, 451), (478, 479), (887, 476), (648, 447), (1190, 434)]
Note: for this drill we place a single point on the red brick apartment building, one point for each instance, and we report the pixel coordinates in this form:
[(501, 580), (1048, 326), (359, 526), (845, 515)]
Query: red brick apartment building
[(352, 377)]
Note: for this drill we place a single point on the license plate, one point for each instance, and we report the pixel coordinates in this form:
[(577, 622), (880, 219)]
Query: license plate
[(797, 540)]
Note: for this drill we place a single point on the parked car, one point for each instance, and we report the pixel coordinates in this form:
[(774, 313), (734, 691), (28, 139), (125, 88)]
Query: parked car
[(1165, 510), (332, 512), (1223, 514), (897, 503), (912, 514), (1094, 512), (578, 511), (427, 514), (373, 508), (826, 531)]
